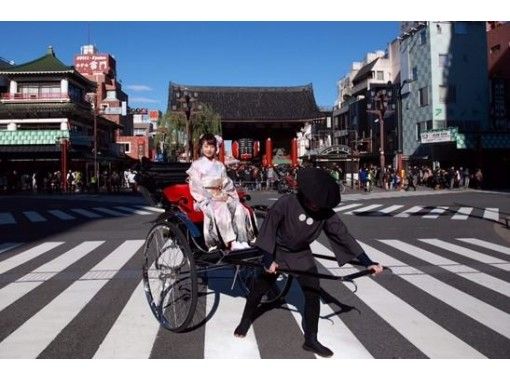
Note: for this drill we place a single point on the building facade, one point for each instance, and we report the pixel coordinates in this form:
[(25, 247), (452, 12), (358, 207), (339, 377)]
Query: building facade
[(445, 109)]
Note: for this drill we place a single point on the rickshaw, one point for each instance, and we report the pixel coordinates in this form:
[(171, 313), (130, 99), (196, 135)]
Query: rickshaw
[(175, 254)]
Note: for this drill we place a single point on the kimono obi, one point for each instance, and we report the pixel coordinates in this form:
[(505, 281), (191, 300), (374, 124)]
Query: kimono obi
[(212, 183)]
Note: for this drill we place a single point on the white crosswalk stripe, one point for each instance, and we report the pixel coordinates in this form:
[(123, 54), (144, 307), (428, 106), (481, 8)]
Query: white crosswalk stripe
[(407, 213), (35, 334), (416, 327), (19, 288), (133, 334), (490, 316), (150, 208), (109, 212), (486, 244), (434, 214), (346, 207), (133, 210), (363, 209), (7, 218), (135, 331), (220, 341), (86, 213), (34, 216), (463, 213), (390, 209), (61, 215), (27, 255), (491, 214)]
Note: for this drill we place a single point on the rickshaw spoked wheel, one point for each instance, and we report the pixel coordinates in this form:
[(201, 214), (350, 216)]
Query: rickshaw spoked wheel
[(170, 277)]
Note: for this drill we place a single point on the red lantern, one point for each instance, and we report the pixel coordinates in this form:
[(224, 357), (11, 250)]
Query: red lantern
[(235, 149), (293, 152), (269, 152), (256, 148)]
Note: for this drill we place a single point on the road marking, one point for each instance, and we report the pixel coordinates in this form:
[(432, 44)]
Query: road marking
[(429, 337), (18, 289), (150, 208), (363, 209), (491, 214), (387, 210), (133, 333), (31, 338), (463, 213), (4, 247), (133, 211), (88, 214), (27, 255), (407, 213), (488, 315), (61, 215), (486, 244), (7, 218), (342, 208), (109, 212), (219, 341), (34, 216), (475, 255), (435, 212)]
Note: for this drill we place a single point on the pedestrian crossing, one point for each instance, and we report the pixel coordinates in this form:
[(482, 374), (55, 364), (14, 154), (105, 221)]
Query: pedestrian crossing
[(423, 212), (441, 298), (65, 215)]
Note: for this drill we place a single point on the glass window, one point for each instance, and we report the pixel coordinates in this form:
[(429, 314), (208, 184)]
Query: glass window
[(423, 37), (424, 97), (429, 125), (415, 73), (460, 27), (447, 94), (127, 147), (111, 94), (418, 131), (380, 75), (443, 60)]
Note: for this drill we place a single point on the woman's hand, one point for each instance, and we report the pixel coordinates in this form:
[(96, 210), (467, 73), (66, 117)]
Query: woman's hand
[(376, 268), (272, 268)]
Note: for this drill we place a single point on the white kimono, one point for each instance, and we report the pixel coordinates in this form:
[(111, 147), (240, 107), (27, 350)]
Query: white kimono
[(207, 180)]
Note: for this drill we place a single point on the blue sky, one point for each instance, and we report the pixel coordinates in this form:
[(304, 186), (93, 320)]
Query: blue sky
[(150, 54)]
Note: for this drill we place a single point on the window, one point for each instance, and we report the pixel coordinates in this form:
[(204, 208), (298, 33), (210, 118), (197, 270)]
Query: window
[(127, 147), (418, 131), (447, 94), (380, 75), (443, 60), (415, 73), (429, 125), (423, 37), (111, 94), (460, 27), (424, 97)]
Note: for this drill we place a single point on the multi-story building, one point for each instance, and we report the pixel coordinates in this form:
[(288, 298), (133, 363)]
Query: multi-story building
[(445, 108), (44, 113), (353, 125)]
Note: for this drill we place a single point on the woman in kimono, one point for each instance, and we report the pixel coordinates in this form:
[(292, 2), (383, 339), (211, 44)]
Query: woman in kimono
[(291, 225), (225, 218)]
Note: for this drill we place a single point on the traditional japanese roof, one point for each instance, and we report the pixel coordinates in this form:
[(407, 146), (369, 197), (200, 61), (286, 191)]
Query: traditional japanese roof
[(253, 103), (47, 64), (365, 70)]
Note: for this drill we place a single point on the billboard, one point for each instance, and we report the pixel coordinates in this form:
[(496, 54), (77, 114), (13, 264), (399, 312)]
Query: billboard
[(154, 115), (90, 64)]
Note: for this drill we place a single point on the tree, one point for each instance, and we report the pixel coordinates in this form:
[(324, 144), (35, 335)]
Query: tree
[(172, 129)]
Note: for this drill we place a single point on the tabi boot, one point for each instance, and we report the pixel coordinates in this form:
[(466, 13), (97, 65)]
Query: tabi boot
[(313, 345)]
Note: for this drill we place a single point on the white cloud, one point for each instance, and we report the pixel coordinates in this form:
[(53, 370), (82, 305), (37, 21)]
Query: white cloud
[(138, 87), (143, 100)]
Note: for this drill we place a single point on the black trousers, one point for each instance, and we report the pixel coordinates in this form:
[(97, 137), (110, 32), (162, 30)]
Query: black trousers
[(311, 291)]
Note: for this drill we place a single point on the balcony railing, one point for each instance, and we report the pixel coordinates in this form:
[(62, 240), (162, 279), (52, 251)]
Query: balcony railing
[(23, 97)]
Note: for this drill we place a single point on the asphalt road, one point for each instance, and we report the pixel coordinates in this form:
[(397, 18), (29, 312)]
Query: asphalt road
[(70, 283)]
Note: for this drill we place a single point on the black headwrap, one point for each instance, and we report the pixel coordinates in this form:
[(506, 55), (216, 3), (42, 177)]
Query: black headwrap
[(319, 187)]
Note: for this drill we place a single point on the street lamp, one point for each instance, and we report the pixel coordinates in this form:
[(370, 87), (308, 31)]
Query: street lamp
[(92, 100), (381, 105), (399, 121), (188, 104)]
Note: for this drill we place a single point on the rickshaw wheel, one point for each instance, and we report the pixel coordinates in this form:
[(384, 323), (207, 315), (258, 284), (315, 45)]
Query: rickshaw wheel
[(248, 275), (170, 277)]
